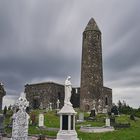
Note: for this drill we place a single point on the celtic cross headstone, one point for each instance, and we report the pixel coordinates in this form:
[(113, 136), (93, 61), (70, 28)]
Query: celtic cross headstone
[(20, 120)]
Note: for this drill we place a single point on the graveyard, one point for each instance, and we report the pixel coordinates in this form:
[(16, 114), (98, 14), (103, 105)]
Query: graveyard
[(43, 44), (51, 126)]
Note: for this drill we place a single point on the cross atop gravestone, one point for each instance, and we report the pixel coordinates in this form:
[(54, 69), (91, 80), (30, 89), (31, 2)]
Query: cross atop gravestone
[(20, 120), (58, 104), (22, 102), (50, 106)]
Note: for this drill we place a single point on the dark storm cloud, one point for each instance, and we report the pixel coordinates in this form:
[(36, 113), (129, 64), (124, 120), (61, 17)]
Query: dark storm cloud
[(41, 40), (32, 43)]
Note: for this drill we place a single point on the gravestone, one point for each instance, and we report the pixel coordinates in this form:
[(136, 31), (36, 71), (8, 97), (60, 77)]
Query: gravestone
[(41, 106), (33, 118), (105, 110), (112, 120), (50, 106), (81, 116), (41, 120), (93, 113), (1, 123), (107, 122), (112, 114), (58, 104), (20, 120), (47, 109)]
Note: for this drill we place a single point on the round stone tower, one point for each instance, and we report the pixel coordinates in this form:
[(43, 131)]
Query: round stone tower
[(91, 67)]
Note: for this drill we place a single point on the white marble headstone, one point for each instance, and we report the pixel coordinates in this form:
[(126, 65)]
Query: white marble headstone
[(41, 120), (107, 121)]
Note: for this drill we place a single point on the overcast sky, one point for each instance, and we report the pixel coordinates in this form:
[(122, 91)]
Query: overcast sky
[(41, 40)]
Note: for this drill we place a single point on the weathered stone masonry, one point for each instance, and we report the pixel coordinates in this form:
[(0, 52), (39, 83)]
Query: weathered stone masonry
[(48, 92), (91, 70)]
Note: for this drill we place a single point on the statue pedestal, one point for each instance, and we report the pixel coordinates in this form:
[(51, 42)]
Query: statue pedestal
[(67, 124)]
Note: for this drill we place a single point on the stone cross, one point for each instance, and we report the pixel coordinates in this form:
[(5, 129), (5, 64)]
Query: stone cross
[(50, 106), (58, 104), (20, 120)]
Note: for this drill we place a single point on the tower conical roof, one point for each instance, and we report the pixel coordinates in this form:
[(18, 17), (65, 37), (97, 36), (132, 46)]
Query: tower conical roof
[(92, 25)]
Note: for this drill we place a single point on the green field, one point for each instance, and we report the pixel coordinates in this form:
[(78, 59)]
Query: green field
[(52, 121)]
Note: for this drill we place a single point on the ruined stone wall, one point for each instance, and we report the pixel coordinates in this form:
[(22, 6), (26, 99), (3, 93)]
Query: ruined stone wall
[(48, 92), (44, 93), (107, 97)]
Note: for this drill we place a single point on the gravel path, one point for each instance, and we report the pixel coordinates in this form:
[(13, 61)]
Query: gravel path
[(30, 138)]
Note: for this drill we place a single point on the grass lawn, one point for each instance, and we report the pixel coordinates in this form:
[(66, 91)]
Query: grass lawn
[(52, 120)]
